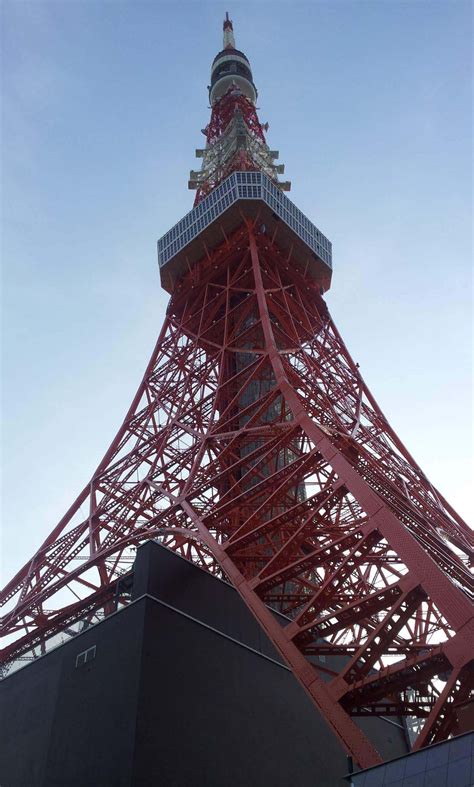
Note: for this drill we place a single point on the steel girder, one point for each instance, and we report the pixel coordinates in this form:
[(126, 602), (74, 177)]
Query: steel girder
[(254, 448), (235, 141)]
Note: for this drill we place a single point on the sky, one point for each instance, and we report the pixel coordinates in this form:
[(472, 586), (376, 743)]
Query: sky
[(369, 104)]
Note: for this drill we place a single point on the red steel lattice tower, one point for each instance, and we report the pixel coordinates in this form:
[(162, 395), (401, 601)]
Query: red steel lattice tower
[(254, 448)]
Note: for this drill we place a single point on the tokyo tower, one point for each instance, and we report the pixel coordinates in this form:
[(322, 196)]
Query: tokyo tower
[(254, 448)]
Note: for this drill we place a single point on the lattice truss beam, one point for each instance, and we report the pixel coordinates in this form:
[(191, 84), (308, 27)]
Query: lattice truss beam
[(254, 448), (235, 141)]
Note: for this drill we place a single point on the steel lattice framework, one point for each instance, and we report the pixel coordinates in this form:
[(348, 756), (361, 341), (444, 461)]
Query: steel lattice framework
[(254, 448), (235, 142)]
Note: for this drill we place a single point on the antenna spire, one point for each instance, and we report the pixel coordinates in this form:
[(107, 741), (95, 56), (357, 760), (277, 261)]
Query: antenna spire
[(229, 40)]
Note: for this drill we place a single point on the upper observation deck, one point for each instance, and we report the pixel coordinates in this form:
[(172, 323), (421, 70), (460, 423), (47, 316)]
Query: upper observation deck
[(242, 195)]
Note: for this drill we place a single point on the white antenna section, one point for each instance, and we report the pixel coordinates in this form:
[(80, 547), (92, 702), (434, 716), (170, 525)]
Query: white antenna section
[(229, 40)]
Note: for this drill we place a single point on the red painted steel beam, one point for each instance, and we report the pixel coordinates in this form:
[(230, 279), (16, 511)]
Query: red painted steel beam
[(254, 448)]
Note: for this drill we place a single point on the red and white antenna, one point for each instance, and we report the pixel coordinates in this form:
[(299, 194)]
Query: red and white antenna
[(229, 40), (235, 138)]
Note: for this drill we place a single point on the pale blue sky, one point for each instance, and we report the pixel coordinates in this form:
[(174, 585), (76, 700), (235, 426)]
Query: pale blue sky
[(369, 104)]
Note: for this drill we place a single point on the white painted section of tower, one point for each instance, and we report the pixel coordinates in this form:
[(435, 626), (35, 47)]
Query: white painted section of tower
[(216, 157), (225, 83)]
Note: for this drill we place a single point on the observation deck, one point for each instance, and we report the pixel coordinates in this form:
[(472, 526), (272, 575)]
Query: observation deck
[(241, 195)]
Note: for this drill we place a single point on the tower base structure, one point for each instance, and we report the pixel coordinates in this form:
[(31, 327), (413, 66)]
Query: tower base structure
[(180, 687)]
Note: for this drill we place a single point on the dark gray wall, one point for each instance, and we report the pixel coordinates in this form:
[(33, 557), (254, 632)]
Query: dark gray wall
[(164, 575), (225, 715), (62, 725), (169, 699), (448, 764)]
